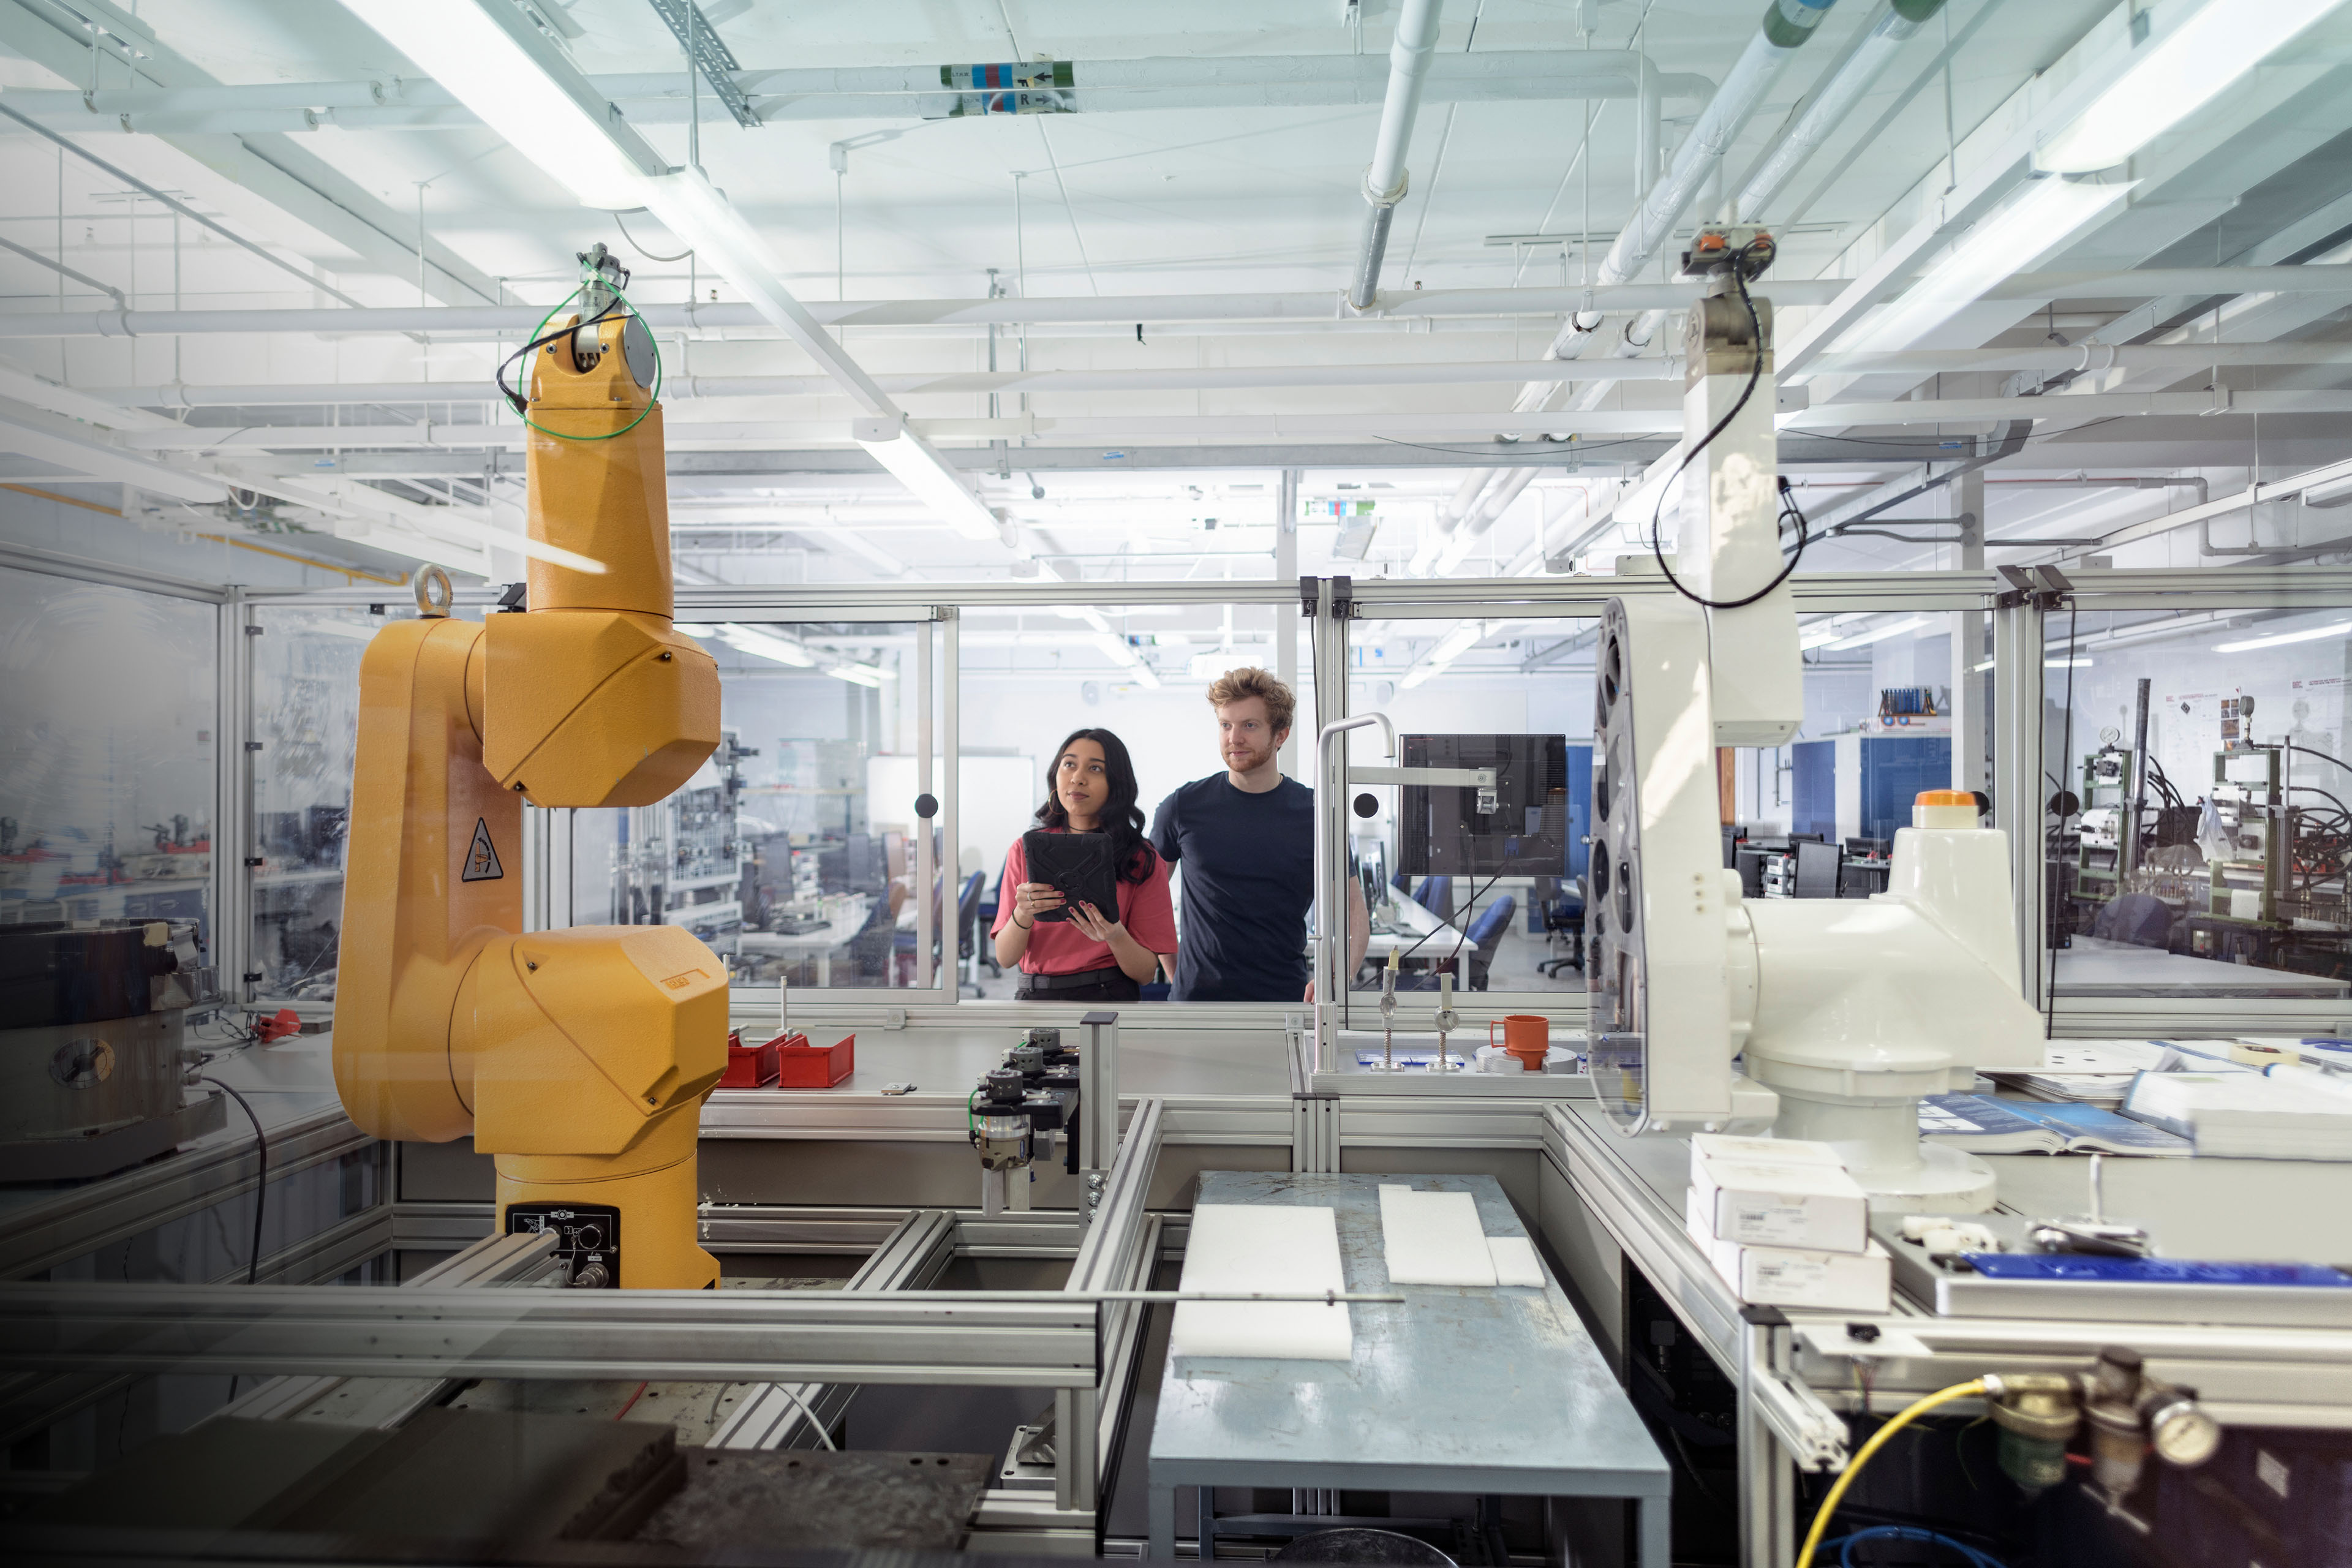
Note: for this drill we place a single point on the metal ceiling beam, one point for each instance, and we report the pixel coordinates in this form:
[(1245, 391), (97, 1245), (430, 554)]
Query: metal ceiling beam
[(708, 54), (2168, 358), (295, 181), (876, 92), (2208, 448)]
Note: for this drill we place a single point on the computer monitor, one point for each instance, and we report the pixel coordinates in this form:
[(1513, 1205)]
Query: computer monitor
[(1732, 834), (1522, 829), (1816, 869)]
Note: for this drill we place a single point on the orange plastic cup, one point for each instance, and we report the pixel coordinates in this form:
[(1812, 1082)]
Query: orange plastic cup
[(1524, 1036)]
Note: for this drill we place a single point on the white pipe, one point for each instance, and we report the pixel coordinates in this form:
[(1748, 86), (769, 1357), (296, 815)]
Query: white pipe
[(1787, 25), (2087, 357), (1385, 180), (1829, 108), (1833, 102), (1499, 500), (1449, 518), (684, 388), (1419, 305)]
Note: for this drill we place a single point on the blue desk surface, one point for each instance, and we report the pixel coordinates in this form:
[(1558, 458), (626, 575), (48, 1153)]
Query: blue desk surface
[(1454, 1389)]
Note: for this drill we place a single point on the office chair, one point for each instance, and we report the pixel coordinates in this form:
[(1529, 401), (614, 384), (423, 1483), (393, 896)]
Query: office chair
[(1563, 915), (968, 933), (1486, 936), (1816, 869)]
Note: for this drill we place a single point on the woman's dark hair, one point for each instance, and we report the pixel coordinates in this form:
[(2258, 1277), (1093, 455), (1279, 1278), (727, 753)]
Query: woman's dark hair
[(1121, 818)]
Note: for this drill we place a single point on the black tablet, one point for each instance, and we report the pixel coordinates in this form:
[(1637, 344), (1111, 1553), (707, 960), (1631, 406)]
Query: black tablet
[(1078, 865)]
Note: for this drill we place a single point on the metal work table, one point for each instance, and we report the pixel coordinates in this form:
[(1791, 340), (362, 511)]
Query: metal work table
[(2093, 967), (1457, 1390)]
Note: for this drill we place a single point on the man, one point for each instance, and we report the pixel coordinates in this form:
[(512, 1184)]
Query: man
[(1245, 840)]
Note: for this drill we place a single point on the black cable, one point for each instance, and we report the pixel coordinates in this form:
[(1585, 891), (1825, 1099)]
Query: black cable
[(513, 395), (1787, 501), (636, 244), (1475, 894), (261, 1181), (2314, 789), (2323, 756)]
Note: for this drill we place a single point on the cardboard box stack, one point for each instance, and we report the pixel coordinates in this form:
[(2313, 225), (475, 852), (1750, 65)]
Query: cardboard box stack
[(1784, 1224)]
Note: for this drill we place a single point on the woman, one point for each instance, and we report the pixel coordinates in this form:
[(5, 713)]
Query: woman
[(1094, 955)]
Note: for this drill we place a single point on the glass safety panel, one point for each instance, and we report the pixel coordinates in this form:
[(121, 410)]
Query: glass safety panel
[(1896, 702), (109, 701), (2195, 828), (1034, 676), (306, 692), (1484, 883), (795, 851)]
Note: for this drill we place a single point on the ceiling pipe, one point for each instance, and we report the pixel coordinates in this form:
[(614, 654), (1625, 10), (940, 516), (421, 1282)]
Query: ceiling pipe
[(1386, 179), (1835, 99), (1210, 378), (1449, 517), (1787, 25), (684, 388), (1852, 79), (1497, 500), (490, 321)]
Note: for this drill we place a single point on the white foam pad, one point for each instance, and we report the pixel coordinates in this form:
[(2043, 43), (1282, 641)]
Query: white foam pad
[(1262, 1247), (1515, 1260), (1434, 1238)]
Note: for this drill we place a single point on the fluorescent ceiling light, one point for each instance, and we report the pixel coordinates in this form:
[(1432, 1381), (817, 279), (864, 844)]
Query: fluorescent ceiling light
[(2309, 634), (1819, 633), (757, 643), (1879, 634), (2046, 664), (858, 674), (2034, 222), (1116, 649), (2173, 79), (1450, 646), (920, 470), (489, 70)]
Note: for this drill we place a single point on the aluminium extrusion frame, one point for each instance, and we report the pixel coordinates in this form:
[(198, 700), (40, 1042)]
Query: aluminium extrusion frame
[(911, 1257)]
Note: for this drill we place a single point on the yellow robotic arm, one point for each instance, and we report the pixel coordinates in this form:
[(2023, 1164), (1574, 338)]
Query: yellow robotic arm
[(579, 1057)]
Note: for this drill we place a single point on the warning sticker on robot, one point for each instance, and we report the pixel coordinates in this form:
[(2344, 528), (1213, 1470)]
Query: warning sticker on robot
[(481, 859)]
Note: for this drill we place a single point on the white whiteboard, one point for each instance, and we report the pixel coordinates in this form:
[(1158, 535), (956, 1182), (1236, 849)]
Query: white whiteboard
[(997, 800)]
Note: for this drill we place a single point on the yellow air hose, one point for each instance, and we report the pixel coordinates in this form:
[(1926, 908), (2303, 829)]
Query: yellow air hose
[(1877, 1440)]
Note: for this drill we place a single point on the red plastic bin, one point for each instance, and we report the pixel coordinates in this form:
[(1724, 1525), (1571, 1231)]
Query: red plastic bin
[(803, 1066), (749, 1067)]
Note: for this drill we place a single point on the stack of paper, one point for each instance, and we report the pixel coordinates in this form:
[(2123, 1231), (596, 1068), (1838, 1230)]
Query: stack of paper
[(2094, 1072), (1784, 1224), (2250, 1116), (1263, 1247), (1437, 1238)]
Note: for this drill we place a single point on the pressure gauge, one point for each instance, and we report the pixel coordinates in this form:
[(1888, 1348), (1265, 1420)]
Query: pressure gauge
[(2181, 1433)]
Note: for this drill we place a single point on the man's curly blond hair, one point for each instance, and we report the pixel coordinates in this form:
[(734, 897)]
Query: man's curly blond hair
[(1281, 704)]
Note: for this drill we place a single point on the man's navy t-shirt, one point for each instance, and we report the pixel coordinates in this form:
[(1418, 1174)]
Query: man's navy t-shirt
[(1248, 882)]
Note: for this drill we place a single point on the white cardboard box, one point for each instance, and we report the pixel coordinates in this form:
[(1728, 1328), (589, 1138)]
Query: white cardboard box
[(1815, 1207), (1761, 1150), (1797, 1276)]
